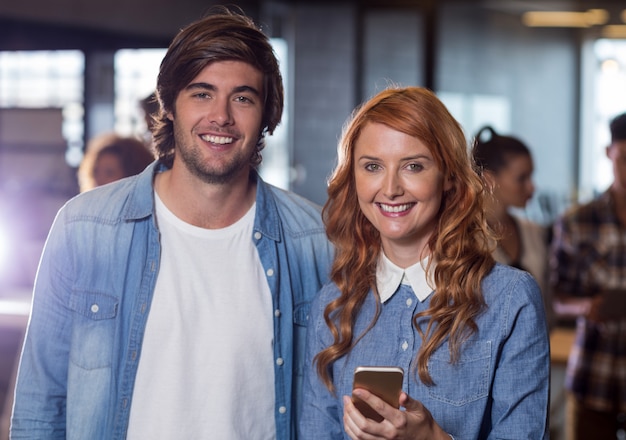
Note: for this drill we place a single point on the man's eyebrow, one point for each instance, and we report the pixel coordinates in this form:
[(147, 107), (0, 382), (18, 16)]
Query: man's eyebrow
[(207, 86)]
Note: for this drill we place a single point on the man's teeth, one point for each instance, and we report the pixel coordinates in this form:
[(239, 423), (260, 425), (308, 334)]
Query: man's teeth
[(217, 139), (396, 208)]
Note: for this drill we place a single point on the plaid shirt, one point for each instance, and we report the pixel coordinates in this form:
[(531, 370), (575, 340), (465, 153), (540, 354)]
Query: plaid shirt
[(588, 256)]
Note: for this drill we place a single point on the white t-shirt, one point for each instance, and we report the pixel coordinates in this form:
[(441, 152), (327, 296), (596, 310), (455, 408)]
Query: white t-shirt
[(206, 366)]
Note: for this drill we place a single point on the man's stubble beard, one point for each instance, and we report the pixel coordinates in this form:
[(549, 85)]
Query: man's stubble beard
[(206, 170)]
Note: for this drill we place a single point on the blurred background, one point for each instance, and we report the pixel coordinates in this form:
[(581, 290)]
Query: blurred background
[(551, 73)]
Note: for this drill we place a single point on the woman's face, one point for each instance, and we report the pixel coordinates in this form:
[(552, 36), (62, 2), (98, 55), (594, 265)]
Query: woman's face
[(399, 188), (513, 185), (107, 169)]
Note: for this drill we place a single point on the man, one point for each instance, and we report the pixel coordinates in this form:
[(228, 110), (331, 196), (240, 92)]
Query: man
[(589, 273), (172, 305)]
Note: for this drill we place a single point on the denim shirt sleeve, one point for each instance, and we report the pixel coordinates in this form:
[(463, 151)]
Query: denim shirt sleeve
[(39, 410), (520, 389), (77, 360)]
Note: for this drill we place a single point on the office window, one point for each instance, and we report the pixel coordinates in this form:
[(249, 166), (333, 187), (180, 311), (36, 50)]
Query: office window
[(276, 166), (47, 79), (609, 101), (136, 73)]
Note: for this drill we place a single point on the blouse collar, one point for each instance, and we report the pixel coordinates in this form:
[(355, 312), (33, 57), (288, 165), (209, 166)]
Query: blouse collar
[(389, 277)]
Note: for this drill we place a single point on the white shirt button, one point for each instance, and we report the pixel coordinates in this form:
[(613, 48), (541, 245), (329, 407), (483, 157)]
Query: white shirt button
[(257, 235), (409, 302), (405, 345), (282, 410), (94, 308), (277, 313), (270, 272), (280, 361)]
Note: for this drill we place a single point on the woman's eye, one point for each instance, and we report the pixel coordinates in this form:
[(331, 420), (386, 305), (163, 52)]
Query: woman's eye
[(372, 167), (414, 167)]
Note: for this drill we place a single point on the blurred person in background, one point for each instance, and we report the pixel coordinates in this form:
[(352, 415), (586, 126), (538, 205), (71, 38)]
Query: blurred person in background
[(506, 164), (588, 272), (150, 108), (110, 157)]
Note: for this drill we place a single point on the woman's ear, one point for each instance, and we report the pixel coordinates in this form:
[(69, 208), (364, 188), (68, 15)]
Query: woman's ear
[(448, 183)]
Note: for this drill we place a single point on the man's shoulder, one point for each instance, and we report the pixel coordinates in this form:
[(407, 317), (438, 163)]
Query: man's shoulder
[(294, 208), (110, 203), (590, 211)]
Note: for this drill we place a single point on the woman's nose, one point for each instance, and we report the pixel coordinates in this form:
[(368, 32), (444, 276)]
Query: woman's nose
[(392, 186)]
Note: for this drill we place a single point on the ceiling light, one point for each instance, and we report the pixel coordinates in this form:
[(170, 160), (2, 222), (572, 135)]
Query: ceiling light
[(614, 31), (565, 18)]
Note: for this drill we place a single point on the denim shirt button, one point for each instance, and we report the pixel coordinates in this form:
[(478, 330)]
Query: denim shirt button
[(279, 361), (409, 302), (405, 345), (270, 272), (277, 313), (257, 235), (94, 308), (282, 410)]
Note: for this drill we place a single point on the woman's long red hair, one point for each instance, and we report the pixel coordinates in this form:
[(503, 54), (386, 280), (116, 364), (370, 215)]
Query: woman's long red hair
[(460, 246)]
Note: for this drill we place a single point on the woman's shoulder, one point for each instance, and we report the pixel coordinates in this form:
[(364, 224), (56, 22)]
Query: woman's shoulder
[(503, 281), (327, 293)]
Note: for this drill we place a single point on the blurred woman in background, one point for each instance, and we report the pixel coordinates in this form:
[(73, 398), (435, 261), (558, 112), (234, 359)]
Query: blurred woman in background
[(506, 165), (110, 157)]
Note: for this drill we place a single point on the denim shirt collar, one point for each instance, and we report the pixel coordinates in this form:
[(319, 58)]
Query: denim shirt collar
[(389, 277), (267, 220), (137, 206)]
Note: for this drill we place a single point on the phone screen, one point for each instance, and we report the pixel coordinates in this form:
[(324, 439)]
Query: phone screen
[(384, 382)]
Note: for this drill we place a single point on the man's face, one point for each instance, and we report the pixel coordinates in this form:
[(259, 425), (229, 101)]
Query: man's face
[(617, 153), (217, 121)]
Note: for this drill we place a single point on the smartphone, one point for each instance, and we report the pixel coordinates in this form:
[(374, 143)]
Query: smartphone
[(384, 382)]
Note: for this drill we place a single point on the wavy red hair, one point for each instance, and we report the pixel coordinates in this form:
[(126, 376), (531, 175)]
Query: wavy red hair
[(460, 246)]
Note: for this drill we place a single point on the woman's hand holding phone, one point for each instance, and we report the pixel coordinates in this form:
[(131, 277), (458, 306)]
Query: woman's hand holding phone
[(387, 421)]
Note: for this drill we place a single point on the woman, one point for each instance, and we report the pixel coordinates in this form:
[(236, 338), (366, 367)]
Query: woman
[(506, 164), (110, 157), (414, 285)]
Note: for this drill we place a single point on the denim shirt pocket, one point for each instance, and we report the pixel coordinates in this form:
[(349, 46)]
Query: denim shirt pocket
[(93, 328), (465, 381), (301, 314)]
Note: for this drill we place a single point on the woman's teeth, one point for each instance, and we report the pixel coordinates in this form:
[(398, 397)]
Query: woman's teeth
[(395, 208)]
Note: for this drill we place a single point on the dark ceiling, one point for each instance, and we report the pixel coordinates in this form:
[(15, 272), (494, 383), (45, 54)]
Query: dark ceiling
[(58, 24)]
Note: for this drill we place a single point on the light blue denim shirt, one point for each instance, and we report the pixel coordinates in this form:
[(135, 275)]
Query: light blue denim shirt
[(92, 298), (498, 390)]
